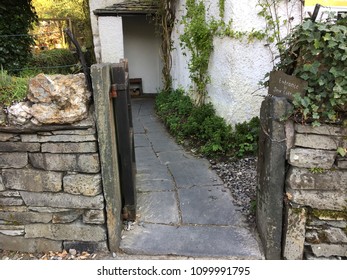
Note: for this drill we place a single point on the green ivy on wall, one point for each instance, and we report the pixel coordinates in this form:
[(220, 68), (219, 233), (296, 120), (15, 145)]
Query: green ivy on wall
[(198, 39), (199, 32), (317, 53)]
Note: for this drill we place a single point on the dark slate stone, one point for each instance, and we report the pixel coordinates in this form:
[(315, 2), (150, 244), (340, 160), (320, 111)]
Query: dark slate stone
[(271, 174), (19, 147)]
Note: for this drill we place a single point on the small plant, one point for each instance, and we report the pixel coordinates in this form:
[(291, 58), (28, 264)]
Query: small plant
[(317, 170), (246, 137), (253, 206), (12, 89), (200, 126)]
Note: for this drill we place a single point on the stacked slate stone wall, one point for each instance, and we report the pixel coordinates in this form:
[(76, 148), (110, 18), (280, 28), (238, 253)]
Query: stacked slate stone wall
[(51, 195), (51, 191), (302, 186), (316, 194)]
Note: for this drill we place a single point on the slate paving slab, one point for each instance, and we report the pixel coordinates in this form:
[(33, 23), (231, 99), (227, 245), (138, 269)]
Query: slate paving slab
[(151, 124), (195, 241), (141, 140), (154, 185), (194, 172), (157, 207), (210, 205), (145, 156), (161, 143), (137, 125), (167, 157), (152, 172)]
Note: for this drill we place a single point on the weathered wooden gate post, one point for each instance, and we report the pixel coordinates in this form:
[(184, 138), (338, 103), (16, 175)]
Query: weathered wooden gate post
[(105, 124)]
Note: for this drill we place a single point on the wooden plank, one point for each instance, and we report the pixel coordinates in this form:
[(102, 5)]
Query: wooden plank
[(283, 85), (125, 152)]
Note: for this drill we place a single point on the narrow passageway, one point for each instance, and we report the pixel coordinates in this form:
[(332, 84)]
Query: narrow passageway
[(183, 207)]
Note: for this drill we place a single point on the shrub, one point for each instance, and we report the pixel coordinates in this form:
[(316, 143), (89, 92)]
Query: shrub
[(16, 19), (317, 53), (203, 129)]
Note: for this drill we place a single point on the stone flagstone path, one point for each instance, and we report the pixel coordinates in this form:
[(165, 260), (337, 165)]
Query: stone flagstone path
[(183, 207)]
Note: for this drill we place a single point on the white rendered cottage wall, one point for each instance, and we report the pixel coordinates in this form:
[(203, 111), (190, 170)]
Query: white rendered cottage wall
[(111, 39), (235, 67), (93, 5)]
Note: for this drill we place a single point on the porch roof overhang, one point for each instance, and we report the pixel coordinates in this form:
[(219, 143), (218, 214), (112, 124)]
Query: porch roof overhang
[(129, 8)]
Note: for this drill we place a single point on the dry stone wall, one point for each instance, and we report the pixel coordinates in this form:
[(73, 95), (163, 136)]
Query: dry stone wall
[(316, 191), (51, 194), (302, 187)]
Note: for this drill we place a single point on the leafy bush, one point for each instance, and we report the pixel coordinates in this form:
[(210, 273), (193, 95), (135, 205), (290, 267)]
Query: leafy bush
[(246, 137), (55, 61), (16, 19), (317, 53), (12, 88), (201, 127)]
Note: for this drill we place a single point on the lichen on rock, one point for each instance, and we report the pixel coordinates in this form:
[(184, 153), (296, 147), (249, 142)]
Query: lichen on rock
[(54, 99)]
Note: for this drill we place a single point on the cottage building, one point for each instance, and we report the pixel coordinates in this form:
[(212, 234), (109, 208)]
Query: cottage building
[(126, 29)]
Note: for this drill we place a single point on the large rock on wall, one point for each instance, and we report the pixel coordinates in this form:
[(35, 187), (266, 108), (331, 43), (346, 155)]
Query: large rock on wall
[(55, 99)]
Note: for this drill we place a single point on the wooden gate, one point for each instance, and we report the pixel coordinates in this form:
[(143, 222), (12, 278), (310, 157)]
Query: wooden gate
[(120, 95)]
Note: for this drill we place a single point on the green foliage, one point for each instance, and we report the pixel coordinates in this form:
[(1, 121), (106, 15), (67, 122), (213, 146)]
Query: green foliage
[(198, 39), (341, 151), (200, 126), (253, 207), (16, 19), (12, 89), (77, 11), (269, 12), (246, 137), (55, 61), (317, 170), (317, 53), (221, 5)]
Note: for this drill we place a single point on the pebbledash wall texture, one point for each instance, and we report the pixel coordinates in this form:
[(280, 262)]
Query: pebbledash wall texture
[(51, 195)]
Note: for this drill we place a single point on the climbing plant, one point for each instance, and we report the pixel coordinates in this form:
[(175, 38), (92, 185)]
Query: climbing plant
[(199, 32), (276, 26), (221, 6), (165, 23), (198, 39)]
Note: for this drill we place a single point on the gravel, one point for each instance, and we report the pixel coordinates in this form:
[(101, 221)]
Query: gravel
[(240, 176)]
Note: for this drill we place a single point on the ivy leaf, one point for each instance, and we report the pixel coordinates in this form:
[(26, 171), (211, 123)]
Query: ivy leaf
[(341, 151), (317, 44), (306, 25), (316, 123)]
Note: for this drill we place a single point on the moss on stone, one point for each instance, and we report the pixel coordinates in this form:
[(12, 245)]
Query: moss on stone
[(330, 214)]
